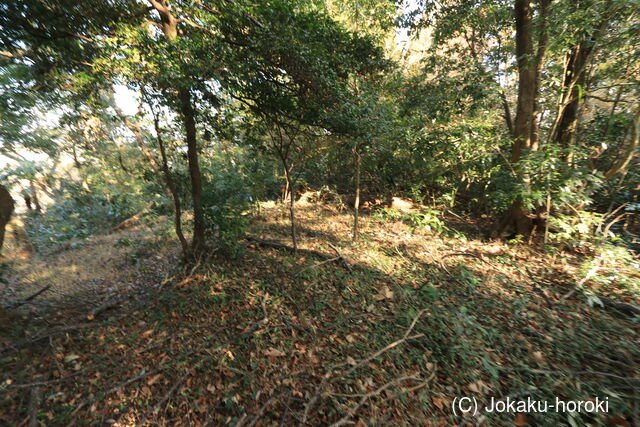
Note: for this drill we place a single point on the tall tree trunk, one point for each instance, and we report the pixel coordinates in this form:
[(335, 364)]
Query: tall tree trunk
[(188, 117), (356, 203), (523, 127)]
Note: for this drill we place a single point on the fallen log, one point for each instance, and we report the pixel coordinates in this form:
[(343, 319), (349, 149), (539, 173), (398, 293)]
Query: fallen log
[(132, 220), (317, 254)]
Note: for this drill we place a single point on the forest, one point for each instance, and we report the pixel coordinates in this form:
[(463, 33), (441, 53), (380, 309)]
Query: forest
[(320, 212)]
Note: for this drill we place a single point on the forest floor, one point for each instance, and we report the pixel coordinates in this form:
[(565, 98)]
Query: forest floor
[(386, 331)]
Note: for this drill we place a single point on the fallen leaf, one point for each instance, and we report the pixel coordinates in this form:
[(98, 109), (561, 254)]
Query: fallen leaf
[(521, 420), (273, 352), (70, 358), (537, 356), (437, 402), (154, 379), (351, 361)]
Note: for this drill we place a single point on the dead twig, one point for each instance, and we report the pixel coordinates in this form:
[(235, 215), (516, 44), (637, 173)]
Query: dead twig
[(396, 343), (172, 390), (123, 384), (35, 400), (260, 413), (537, 288), (47, 334), (345, 420), (316, 265), (341, 258), (328, 379)]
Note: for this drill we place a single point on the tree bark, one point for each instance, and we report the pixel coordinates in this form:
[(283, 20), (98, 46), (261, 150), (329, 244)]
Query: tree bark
[(6, 210), (523, 127), (189, 121)]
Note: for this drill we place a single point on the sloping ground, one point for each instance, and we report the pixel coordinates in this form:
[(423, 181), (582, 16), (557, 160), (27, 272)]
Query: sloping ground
[(415, 321)]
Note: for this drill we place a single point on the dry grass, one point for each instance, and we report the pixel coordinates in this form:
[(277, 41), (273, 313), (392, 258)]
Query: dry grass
[(89, 270)]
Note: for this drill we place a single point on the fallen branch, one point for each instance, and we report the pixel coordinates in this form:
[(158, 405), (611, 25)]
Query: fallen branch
[(628, 380), (106, 305), (29, 298), (138, 377), (623, 307), (35, 400), (537, 288), (259, 415), (328, 379), (396, 343), (47, 334), (345, 420), (341, 258), (318, 254), (169, 393), (582, 281), (317, 265)]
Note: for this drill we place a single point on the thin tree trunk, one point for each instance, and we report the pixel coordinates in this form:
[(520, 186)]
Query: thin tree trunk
[(169, 25), (356, 203), (565, 126), (177, 209), (292, 198), (633, 137), (507, 113), (188, 117), (543, 41), (36, 200), (613, 111)]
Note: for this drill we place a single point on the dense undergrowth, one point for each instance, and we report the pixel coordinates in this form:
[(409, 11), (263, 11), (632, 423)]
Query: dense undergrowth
[(415, 319)]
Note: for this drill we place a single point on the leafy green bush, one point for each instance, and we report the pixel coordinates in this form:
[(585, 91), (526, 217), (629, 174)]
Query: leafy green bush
[(78, 213), (226, 202)]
